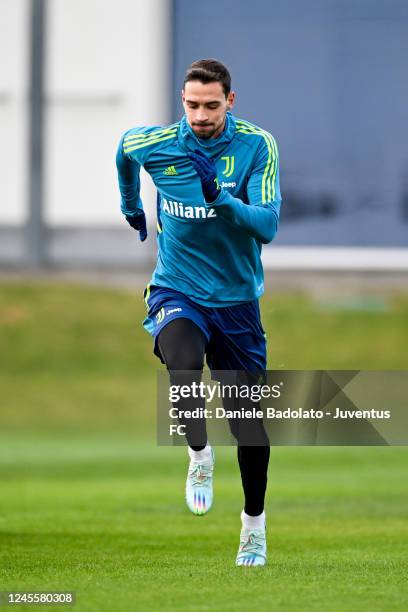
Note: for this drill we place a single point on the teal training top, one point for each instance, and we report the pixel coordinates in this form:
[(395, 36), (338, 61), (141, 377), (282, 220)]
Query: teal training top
[(209, 252)]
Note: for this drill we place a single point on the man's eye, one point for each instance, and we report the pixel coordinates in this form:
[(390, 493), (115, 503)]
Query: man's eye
[(212, 106)]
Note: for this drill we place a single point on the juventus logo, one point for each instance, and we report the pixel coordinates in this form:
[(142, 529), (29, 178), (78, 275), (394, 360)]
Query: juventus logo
[(229, 165)]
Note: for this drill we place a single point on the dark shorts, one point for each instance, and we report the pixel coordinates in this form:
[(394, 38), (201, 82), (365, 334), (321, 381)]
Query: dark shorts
[(235, 337)]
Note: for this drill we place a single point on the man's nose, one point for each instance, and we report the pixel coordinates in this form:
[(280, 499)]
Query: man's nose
[(201, 115)]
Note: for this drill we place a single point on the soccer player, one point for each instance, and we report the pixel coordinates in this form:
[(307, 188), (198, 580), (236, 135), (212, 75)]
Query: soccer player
[(217, 179)]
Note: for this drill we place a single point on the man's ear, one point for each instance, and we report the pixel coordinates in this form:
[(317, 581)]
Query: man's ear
[(230, 100), (182, 96)]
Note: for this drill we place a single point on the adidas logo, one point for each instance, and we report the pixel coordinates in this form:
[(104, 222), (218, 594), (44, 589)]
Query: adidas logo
[(170, 171)]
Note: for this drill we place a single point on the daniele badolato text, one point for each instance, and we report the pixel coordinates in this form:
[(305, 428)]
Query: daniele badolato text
[(273, 413), (254, 393)]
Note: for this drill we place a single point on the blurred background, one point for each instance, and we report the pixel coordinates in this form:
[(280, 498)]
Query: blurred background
[(85, 488), (326, 77)]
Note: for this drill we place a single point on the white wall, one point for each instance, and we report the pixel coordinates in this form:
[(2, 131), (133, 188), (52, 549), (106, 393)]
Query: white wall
[(108, 70), (13, 90)]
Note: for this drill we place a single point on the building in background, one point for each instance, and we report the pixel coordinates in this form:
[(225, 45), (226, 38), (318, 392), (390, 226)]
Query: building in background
[(329, 79), (107, 69), (326, 77)]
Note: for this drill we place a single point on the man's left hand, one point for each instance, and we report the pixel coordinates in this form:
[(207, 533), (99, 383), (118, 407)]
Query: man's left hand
[(206, 170)]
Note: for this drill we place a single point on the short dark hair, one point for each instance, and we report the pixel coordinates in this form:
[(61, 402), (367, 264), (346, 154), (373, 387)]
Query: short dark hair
[(209, 71)]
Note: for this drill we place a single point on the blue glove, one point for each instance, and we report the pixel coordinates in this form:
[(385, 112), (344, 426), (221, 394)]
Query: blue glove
[(206, 170), (138, 222)]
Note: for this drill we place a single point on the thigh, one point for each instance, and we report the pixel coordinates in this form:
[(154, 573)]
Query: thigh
[(181, 344), (237, 339), (166, 306)]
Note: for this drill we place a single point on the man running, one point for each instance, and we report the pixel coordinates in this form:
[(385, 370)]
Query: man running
[(219, 199)]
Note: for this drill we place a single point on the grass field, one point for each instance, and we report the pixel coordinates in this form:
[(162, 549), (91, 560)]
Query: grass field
[(90, 503)]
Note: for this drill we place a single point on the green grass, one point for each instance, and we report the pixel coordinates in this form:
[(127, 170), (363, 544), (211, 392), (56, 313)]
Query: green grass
[(90, 503), (107, 519)]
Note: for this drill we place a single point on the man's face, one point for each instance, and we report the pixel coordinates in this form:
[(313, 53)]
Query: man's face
[(205, 106)]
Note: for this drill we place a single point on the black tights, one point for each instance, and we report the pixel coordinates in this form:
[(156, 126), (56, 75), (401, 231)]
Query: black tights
[(182, 345)]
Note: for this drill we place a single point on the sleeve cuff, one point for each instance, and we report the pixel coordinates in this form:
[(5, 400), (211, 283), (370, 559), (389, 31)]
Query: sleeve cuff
[(222, 198)]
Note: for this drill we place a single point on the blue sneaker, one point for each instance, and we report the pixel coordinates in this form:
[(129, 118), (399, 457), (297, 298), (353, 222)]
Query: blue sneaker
[(199, 486), (252, 547)]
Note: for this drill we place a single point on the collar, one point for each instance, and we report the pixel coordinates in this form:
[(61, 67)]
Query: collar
[(188, 141)]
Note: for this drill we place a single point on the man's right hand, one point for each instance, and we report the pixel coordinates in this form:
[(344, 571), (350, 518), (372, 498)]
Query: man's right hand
[(138, 222)]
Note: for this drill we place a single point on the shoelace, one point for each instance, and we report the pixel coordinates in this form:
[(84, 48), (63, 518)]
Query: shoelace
[(252, 543), (200, 474)]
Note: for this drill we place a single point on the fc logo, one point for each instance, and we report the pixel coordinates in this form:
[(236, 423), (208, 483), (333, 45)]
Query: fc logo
[(229, 165)]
